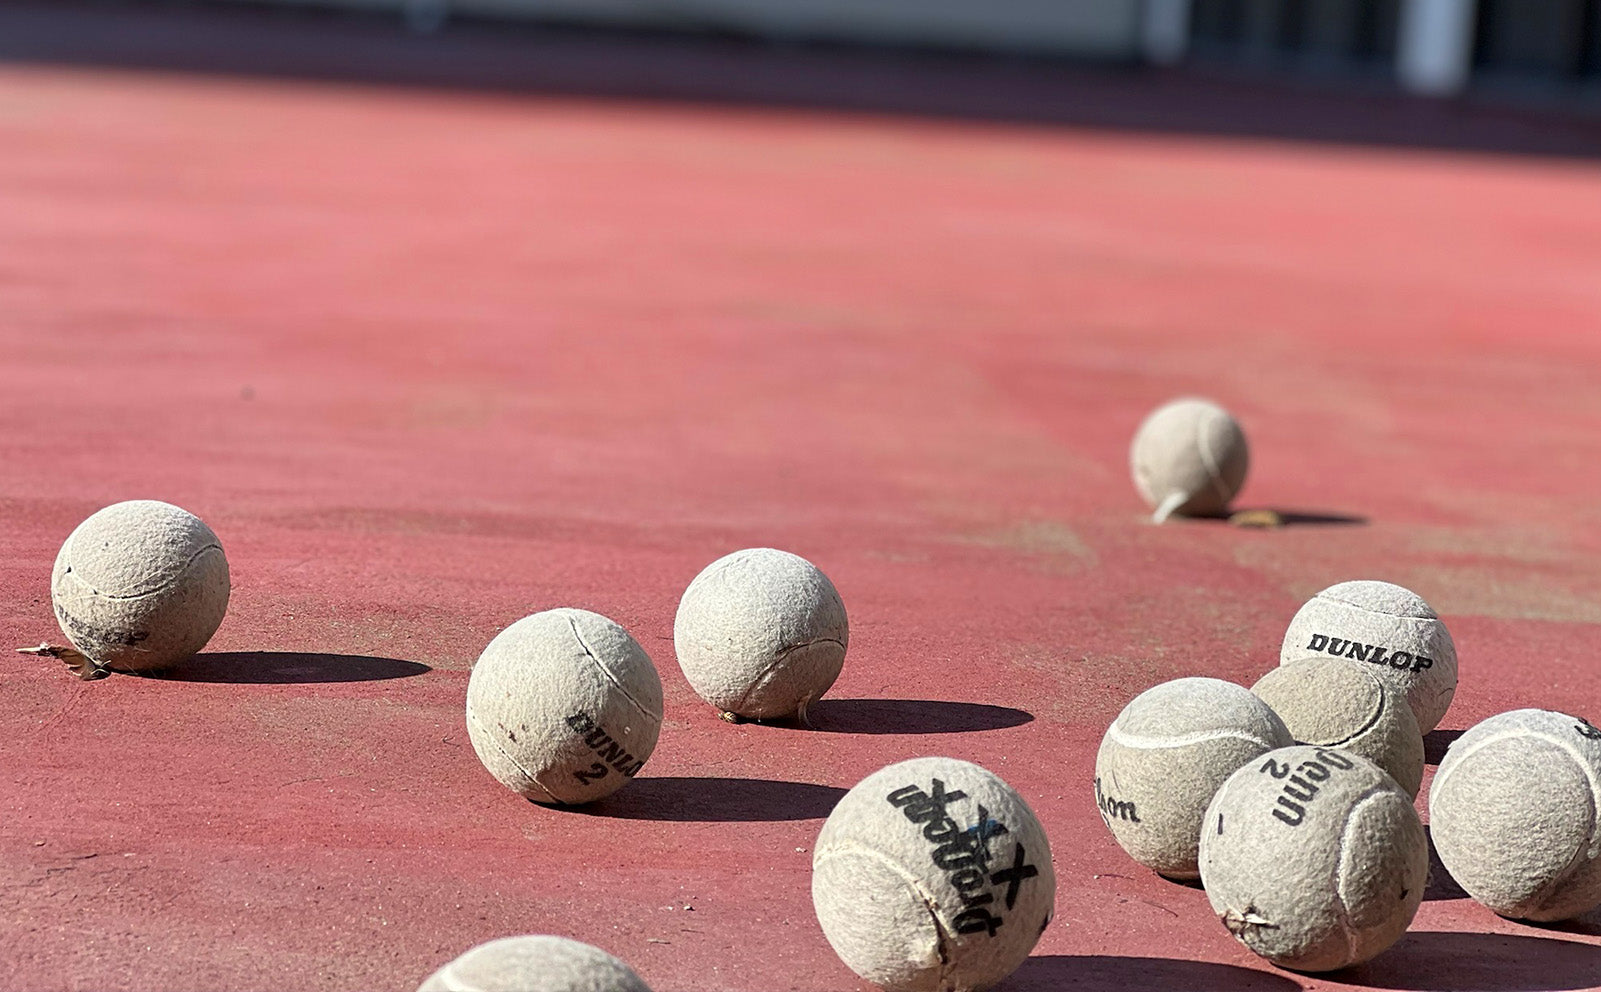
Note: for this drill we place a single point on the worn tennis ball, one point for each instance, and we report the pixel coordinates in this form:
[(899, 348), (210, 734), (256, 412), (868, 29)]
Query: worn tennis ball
[(1332, 702), (933, 874), (1513, 810), (1314, 858), (564, 707), (1166, 754), (1387, 627), (534, 964), (140, 585), (761, 634), (1189, 457)]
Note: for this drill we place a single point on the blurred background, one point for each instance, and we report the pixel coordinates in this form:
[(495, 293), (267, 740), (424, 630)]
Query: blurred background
[(443, 312), (1193, 65)]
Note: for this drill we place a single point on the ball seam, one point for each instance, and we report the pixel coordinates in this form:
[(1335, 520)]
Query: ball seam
[(1372, 721), (490, 737), (126, 597), (1549, 891), (1339, 865), (772, 666), (1454, 757), (1582, 852), (942, 938), (608, 673), (1377, 613), (1587, 768), (1140, 741)]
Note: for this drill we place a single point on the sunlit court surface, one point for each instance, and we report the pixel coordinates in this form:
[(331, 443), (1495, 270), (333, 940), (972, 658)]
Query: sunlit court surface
[(429, 359)]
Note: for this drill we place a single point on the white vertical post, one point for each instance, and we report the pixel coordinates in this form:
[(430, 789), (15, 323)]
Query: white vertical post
[(1165, 31), (1434, 52)]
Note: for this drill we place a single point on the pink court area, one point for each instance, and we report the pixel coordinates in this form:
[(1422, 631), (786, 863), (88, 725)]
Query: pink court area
[(431, 361)]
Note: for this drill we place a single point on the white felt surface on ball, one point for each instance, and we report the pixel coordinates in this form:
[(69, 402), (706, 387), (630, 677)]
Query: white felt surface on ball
[(1314, 858), (933, 875), (140, 585), (1189, 457), (1332, 702), (534, 964), (1513, 811), (761, 634), (564, 707), (1166, 754), (1387, 627)]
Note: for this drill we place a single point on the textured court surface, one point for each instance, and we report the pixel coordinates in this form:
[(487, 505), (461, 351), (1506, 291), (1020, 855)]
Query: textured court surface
[(428, 362)]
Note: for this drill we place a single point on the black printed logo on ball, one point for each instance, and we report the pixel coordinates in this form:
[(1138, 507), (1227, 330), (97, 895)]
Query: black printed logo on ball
[(964, 855), (609, 751), (1114, 809), (1341, 647), (82, 630), (1302, 786)]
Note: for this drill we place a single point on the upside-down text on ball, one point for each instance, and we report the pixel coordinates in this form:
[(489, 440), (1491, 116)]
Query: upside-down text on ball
[(1302, 784), (964, 854)]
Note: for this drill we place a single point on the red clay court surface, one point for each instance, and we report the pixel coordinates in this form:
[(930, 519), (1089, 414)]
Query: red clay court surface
[(428, 362)]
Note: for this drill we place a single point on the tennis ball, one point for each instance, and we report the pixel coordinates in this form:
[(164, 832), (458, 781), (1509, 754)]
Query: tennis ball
[(761, 634), (1391, 629), (1189, 457), (933, 874), (1513, 810), (140, 585), (1331, 702), (1314, 858), (534, 964), (564, 707), (1166, 754)]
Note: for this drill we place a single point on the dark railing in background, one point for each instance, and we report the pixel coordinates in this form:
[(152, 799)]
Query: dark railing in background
[(1555, 41), (1309, 33), (1531, 46)]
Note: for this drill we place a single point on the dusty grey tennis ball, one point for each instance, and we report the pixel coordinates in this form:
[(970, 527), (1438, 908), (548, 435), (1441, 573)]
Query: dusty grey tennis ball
[(933, 875), (1513, 810), (1166, 754), (1189, 457), (1332, 702), (564, 707), (140, 585), (534, 964), (1314, 858), (761, 634), (1388, 628)]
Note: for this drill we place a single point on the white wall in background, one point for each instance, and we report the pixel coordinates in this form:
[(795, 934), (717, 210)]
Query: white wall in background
[(1434, 53), (1165, 33)]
